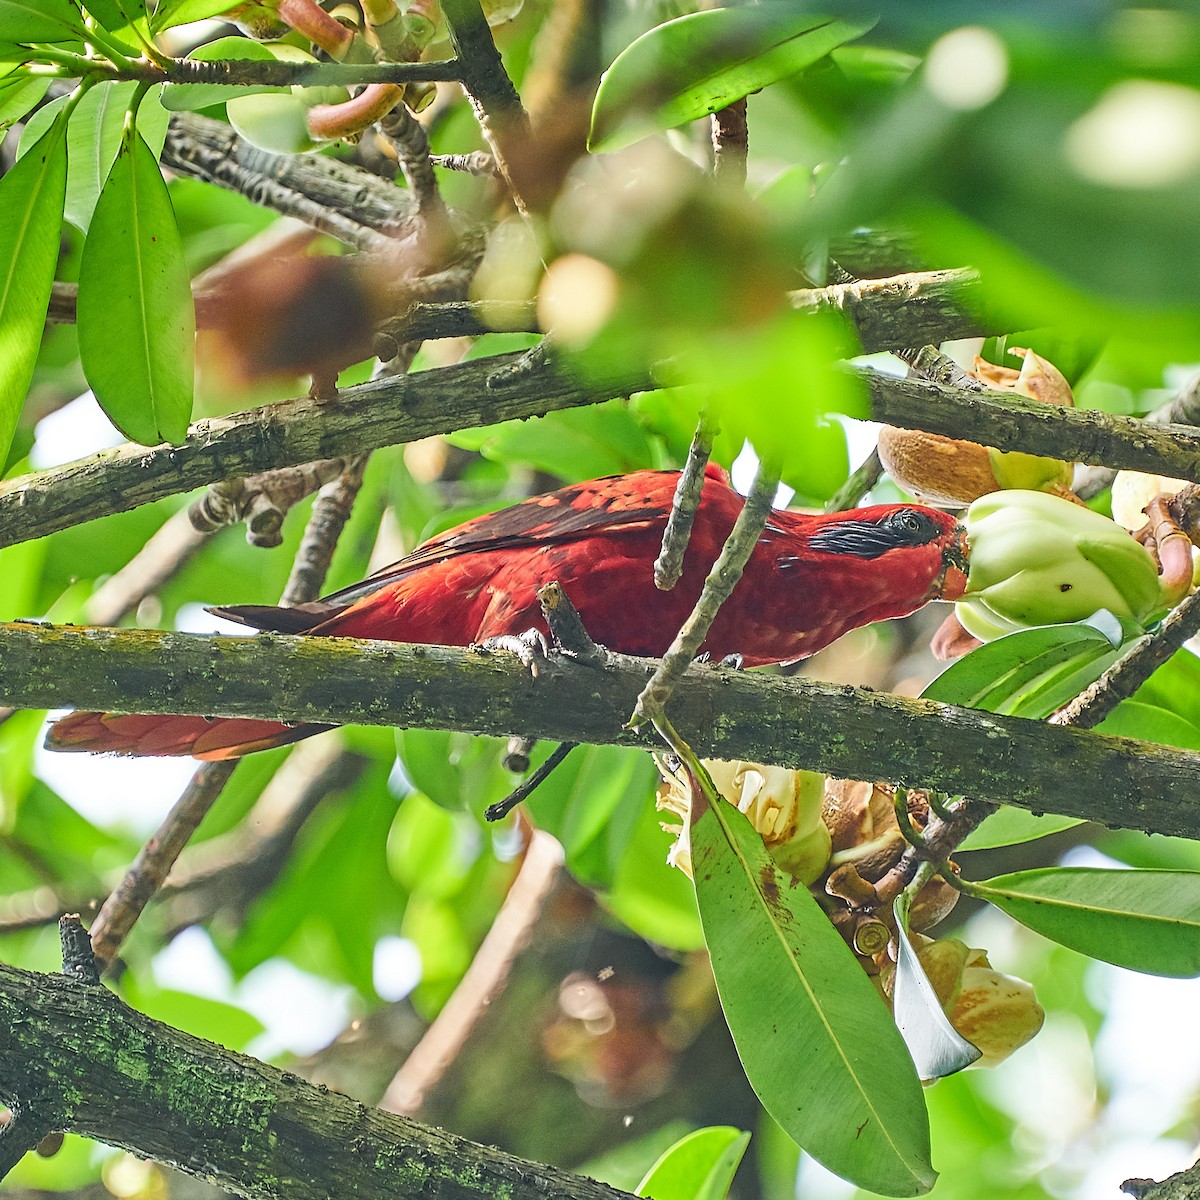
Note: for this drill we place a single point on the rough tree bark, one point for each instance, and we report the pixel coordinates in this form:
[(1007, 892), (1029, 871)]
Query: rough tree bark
[(844, 731), (82, 1061)]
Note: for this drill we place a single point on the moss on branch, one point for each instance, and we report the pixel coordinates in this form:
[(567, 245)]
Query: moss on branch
[(847, 732), (107, 1072)]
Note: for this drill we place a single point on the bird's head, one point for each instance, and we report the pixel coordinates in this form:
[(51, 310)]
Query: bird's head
[(926, 544)]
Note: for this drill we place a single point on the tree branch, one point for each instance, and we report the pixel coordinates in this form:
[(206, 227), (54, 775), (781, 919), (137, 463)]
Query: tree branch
[(384, 412), (846, 732), (256, 1131), (906, 310), (350, 204), (1010, 422), (365, 417)]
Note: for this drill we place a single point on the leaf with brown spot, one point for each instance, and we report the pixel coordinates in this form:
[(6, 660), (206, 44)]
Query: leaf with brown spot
[(837, 1078)]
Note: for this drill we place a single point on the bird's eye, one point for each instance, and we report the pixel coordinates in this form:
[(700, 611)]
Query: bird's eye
[(911, 522)]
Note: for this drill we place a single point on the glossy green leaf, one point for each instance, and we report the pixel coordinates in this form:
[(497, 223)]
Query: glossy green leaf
[(180, 12), (95, 136), (1144, 920), (185, 97), (116, 15), (697, 64), (39, 21), (937, 1048), (1012, 826), (136, 318), (1151, 723), (699, 1166), (31, 205), (1028, 674), (819, 1046), (18, 95), (1012, 674)]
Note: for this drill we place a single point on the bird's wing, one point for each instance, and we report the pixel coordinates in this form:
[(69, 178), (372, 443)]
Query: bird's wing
[(590, 509)]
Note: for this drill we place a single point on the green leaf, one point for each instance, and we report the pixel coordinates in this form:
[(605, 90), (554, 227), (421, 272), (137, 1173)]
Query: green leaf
[(18, 95), (1029, 673), (39, 21), (116, 15), (697, 64), (180, 12), (186, 97), (94, 138), (1150, 723), (1011, 826), (31, 205), (819, 1046), (135, 315), (699, 1166), (1144, 920)]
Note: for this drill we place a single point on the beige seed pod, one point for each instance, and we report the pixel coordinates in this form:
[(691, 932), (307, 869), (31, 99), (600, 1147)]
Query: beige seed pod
[(941, 470)]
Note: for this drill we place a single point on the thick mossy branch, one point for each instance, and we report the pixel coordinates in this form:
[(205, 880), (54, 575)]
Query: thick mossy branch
[(727, 714), (112, 1074), (388, 411), (380, 413)]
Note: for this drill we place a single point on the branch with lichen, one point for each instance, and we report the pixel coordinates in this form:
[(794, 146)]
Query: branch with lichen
[(746, 715), (252, 1129)]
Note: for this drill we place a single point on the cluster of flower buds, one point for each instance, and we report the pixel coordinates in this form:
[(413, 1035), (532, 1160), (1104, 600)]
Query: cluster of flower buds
[(842, 837), (942, 470), (783, 805), (1039, 560)]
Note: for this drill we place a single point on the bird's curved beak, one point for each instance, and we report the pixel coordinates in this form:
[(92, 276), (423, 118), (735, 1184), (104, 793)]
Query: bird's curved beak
[(957, 560)]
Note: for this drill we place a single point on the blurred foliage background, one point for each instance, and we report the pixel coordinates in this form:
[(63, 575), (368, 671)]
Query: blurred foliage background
[(334, 899)]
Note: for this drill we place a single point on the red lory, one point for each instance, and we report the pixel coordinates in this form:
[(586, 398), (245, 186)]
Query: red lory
[(810, 579)]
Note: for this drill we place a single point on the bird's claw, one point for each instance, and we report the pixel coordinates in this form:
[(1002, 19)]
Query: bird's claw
[(530, 647), (733, 661)]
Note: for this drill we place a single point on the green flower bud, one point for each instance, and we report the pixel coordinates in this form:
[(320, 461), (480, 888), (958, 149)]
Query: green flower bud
[(1039, 560)]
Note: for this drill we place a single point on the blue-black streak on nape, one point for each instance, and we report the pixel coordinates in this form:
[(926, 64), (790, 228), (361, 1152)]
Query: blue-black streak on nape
[(905, 527)]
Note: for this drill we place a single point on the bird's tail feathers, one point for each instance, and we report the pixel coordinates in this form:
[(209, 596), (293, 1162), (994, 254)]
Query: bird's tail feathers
[(208, 738)]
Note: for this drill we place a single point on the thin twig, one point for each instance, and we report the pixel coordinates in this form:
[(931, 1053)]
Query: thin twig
[(330, 512), (1120, 681), (484, 979), (857, 486), (128, 900), (205, 149), (722, 579), (566, 626), (930, 363), (172, 545), (153, 864), (730, 143), (407, 135), (668, 566), (459, 318), (478, 162), (498, 108), (78, 961), (1132, 669), (526, 788)]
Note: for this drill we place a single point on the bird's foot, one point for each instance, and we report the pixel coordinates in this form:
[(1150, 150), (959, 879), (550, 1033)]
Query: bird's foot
[(530, 647), (733, 661)]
